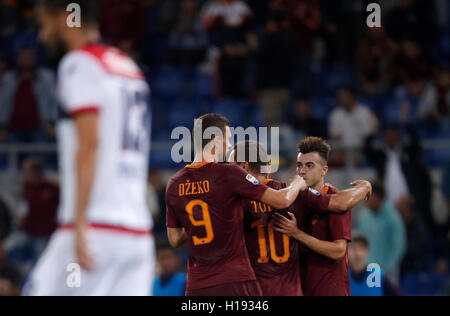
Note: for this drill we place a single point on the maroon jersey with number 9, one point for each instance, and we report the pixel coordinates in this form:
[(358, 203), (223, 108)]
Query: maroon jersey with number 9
[(207, 200)]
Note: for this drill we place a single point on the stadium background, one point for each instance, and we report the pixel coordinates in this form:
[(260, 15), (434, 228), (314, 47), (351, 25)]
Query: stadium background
[(295, 64)]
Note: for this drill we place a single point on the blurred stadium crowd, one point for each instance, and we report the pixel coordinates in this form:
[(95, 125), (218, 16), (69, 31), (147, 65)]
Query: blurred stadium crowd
[(381, 96)]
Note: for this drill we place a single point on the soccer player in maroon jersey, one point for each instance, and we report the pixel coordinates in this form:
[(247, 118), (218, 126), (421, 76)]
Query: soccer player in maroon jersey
[(324, 268), (273, 255), (204, 208)]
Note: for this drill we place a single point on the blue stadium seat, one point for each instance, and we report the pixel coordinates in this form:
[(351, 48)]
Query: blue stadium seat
[(169, 82), (233, 109), (182, 113), (322, 107), (417, 284), (203, 85)]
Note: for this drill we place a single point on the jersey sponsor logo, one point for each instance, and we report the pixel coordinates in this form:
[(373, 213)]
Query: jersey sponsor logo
[(252, 179), (315, 192), (192, 188)]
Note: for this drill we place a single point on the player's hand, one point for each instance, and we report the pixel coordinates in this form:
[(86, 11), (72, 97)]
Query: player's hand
[(300, 182), (365, 184), (84, 258), (285, 225)]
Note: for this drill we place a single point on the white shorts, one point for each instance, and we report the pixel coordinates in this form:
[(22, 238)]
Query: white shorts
[(124, 266)]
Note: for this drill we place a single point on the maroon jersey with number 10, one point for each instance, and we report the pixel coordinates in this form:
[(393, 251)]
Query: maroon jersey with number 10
[(273, 255), (207, 200)]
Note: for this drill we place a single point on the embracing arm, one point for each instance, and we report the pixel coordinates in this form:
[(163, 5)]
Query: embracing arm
[(281, 199), (348, 199), (334, 250)]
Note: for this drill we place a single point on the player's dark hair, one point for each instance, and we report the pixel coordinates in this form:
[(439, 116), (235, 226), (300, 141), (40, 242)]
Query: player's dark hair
[(378, 189), (361, 239), (210, 120), (89, 8), (251, 149), (315, 145)]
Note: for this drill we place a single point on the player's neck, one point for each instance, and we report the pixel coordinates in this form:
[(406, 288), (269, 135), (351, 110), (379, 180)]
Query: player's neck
[(319, 186), (82, 38), (204, 157)]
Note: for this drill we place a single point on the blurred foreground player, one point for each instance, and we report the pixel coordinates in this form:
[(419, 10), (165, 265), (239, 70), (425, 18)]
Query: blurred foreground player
[(103, 134), (204, 208)]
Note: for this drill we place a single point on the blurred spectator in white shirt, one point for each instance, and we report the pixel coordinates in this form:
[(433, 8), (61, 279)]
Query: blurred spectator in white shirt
[(351, 122)]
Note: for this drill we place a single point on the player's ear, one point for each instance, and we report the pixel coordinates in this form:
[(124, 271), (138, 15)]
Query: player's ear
[(324, 170)]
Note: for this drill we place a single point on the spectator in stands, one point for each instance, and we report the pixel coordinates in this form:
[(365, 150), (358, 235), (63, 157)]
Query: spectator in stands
[(305, 122), (358, 253), (10, 278), (124, 23), (412, 18), (5, 221), (351, 122), (188, 39), (153, 202), (385, 231), (171, 282), (435, 101), (275, 70), (375, 56), (305, 18), (410, 63), (398, 164), (446, 191), (40, 205), (3, 68), (343, 26), (416, 258), (27, 96), (229, 26), (156, 181)]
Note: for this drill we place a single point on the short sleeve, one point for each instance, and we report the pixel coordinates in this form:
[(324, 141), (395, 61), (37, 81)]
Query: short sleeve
[(171, 218), (244, 184), (340, 226), (78, 86)]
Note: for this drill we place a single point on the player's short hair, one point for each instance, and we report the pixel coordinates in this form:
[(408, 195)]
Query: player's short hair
[(251, 149), (315, 145), (89, 8), (378, 189), (361, 239), (210, 120)]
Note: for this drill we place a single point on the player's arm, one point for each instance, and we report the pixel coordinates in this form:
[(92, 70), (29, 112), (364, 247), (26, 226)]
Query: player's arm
[(177, 237), (281, 199), (348, 199), (86, 156), (334, 250)]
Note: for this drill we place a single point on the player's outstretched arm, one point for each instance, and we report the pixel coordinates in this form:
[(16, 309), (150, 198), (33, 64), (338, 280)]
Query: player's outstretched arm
[(334, 250), (87, 131), (281, 199), (348, 199), (177, 236)]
